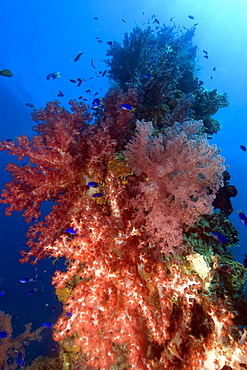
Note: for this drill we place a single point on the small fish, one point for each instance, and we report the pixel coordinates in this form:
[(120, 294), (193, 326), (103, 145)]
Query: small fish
[(30, 105), (110, 43), (214, 69), (242, 217), (244, 149), (92, 63), (100, 41), (84, 99), (34, 219), (26, 280), (95, 93), (53, 308), (148, 76), (93, 184), (79, 82), (88, 91), (71, 230), (6, 73), (152, 44), (97, 195), (201, 83), (127, 107), (32, 291), (73, 81), (80, 97), (191, 17), (206, 56), (20, 358), (96, 103), (171, 19), (60, 93), (245, 261), (3, 334), (196, 24), (104, 73), (96, 38), (78, 56), (47, 324), (220, 237), (96, 18), (2, 292), (211, 77), (156, 21), (205, 51), (53, 76), (55, 348), (124, 20)]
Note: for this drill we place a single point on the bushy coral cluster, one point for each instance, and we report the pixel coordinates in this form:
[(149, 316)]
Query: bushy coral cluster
[(181, 174), (161, 65)]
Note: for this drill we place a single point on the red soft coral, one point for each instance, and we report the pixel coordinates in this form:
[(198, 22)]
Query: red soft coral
[(179, 175)]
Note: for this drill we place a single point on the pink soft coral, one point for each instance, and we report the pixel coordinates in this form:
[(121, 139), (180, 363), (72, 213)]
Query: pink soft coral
[(180, 173)]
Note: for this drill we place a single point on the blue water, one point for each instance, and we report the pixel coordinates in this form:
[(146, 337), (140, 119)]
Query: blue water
[(40, 37)]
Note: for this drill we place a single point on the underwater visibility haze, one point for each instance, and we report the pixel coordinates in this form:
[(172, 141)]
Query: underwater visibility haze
[(123, 158)]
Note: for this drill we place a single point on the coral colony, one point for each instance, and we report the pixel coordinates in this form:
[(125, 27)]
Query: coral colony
[(146, 284)]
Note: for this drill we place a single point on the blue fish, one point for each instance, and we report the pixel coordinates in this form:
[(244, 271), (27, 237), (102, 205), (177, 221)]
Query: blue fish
[(20, 358), (26, 280), (148, 76), (97, 102), (30, 105), (78, 57), (244, 149), (56, 348), (52, 76), (127, 107), (97, 195), (242, 217), (71, 230), (93, 184), (191, 17), (152, 44), (47, 324), (245, 261), (220, 237), (3, 334)]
